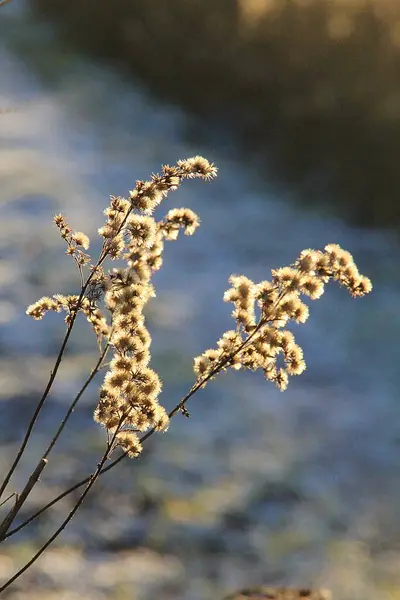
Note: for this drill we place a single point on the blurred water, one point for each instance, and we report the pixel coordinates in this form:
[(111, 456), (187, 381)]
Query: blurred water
[(257, 486)]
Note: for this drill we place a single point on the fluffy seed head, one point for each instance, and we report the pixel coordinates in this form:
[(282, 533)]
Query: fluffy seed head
[(129, 442), (81, 239)]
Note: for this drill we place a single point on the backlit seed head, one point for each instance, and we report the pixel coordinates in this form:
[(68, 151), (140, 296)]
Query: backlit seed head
[(129, 442)]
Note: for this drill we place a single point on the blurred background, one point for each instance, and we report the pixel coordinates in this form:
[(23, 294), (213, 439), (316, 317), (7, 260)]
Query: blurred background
[(298, 103)]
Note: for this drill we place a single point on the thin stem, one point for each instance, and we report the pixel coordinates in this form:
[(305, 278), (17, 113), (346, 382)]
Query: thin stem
[(222, 363), (173, 412), (8, 498), (80, 271), (32, 480), (91, 481), (61, 496), (69, 412), (41, 401), (20, 498), (52, 375)]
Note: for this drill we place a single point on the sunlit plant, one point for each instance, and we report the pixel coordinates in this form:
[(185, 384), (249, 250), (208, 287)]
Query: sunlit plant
[(114, 302)]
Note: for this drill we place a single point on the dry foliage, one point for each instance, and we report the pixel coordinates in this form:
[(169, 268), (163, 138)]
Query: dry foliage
[(113, 301)]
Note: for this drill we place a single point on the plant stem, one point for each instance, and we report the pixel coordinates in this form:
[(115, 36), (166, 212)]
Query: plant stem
[(43, 461), (63, 423), (20, 498), (91, 481), (60, 497), (53, 375)]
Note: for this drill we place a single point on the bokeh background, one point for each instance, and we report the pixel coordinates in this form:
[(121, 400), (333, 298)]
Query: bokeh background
[(298, 103)]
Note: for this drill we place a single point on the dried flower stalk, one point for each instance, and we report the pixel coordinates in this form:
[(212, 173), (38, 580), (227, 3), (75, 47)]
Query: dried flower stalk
[(278, 302), (113, 302)]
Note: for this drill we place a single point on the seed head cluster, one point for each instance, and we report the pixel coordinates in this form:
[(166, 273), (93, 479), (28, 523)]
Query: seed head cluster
[(128, 403), (69, 304), (263, 310), (76, 240)]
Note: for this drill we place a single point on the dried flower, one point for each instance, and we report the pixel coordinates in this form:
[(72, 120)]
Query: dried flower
[(259, 340), (41, 307), (129, 442), (128, 401), (80, 239), (177, 218)]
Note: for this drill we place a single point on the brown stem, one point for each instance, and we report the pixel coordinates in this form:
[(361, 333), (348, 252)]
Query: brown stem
[(41, 402), (7, 499), (24, 494), (69, 412), (60, 497), (20, 498), (91, 481), (52, 376)]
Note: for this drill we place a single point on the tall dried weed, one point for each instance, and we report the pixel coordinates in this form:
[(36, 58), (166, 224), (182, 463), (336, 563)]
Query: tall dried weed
[(114, 301)]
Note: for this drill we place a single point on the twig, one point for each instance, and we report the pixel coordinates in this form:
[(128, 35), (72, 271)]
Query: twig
[(92, 480), (22, 497), (7, 499), (43, 398), (63, 423), (60, 497)]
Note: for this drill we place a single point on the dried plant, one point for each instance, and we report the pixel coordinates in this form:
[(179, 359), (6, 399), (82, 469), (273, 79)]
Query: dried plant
[(113, 301)]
